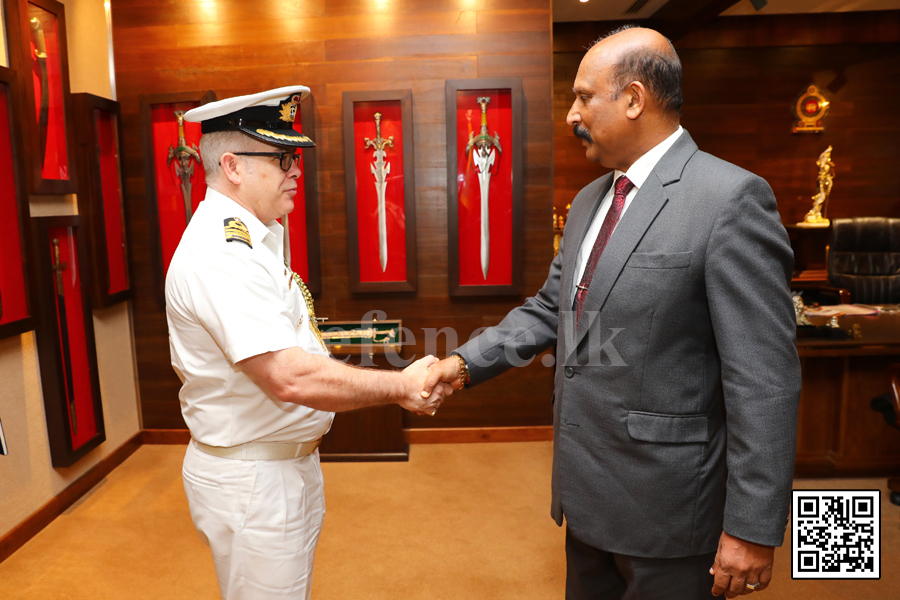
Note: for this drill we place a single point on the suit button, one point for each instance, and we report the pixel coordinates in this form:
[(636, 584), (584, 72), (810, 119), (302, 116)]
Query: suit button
[(570, 372)]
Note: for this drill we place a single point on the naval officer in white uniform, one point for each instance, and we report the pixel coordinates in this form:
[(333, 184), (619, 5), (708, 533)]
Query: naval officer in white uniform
[(259, 388)]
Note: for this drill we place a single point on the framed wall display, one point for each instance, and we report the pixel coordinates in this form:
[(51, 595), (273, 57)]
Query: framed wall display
[(15, 312), (358, 337), (101, 201), (173, 171), (484, 186), (381, 190), (301, 241), (42, 57), (66, 350)]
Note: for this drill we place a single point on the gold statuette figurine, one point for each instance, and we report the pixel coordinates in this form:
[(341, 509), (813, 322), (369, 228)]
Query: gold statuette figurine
[(816, 215)]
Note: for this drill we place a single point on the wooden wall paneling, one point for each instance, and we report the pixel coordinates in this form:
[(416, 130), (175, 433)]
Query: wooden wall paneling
[(349, 45), (17, 275), (94, 197), (737, 107)]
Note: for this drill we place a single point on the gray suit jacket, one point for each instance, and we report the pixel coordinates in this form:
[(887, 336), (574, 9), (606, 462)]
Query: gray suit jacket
[(676, 396)]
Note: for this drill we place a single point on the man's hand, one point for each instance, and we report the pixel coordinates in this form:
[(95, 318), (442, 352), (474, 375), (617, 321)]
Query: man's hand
[(417, 399), (446, 371), (738, 563)]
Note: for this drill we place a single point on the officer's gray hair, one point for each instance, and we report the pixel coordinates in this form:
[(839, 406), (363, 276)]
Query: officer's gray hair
[(214, 145)]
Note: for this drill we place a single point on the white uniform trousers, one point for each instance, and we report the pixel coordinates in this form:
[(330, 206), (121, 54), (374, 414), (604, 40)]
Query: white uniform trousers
[(260, 518)]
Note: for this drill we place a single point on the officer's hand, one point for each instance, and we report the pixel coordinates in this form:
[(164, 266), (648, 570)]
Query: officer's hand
[(739, 563), (414, 398), (446, 371)]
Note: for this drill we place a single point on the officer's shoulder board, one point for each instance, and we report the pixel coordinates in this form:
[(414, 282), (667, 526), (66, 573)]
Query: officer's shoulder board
[(236, 231)]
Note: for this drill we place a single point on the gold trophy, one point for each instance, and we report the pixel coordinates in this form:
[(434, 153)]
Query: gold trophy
[(816, 215)]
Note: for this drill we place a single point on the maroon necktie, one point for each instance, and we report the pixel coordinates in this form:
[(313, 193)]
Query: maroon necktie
[(623, 186)]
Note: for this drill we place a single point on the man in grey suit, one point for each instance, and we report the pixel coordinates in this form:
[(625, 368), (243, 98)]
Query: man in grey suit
[(677, 379)]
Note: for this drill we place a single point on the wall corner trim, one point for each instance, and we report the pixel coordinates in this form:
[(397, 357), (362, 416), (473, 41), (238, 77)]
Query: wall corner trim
[(45, 515)]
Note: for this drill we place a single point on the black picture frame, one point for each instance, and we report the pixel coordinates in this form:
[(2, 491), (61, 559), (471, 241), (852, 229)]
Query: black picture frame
[(91, 199), (19, 201), (452, 87), (20, 35), (50, 353), (409, 190)]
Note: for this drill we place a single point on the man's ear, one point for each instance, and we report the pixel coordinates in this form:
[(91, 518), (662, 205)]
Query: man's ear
[(636, 94), (230, 166)]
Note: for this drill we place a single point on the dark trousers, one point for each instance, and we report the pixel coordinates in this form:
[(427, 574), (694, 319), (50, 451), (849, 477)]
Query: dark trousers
[(593, 574)]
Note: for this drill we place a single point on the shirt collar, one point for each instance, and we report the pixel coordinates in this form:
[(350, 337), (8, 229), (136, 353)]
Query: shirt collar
[(257, 229), (642, 167)]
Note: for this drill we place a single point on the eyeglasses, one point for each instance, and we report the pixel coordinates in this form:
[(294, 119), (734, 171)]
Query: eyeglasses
[(287, 159)]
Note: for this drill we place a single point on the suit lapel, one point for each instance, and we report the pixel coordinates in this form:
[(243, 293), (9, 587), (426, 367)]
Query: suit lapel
[(647, 204)]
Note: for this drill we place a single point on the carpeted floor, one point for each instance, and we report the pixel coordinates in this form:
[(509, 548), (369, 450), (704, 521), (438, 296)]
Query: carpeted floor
[(460, 522)]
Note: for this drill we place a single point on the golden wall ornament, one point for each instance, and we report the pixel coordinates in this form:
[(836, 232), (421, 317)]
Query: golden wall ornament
[(810, 111), (825, 180), (559, 223)]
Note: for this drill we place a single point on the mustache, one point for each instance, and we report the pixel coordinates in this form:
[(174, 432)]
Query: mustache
[(581, 132)]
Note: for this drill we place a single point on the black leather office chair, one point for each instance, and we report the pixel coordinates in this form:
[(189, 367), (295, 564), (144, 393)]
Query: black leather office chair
[(864, 258), (889, 407)]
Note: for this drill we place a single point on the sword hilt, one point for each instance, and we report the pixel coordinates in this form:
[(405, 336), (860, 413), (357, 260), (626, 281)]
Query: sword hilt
[(58, 268), (483, 101), (179, 117), (182, 152), (484, 140), (379, 143), (37, 32)]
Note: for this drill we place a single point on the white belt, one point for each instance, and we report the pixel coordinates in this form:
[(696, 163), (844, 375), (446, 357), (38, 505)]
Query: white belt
[(262, 450)]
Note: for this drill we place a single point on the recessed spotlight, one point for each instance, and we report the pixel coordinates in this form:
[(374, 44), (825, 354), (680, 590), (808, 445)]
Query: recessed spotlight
[(582, 1)]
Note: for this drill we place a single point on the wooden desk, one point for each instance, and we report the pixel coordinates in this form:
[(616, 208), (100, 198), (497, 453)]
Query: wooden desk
[(838, 433)]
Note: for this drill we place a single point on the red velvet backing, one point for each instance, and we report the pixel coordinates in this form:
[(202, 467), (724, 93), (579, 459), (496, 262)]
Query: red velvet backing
[(107, 140), (78, 349), (468, 120), (367, 196), (12, 277)]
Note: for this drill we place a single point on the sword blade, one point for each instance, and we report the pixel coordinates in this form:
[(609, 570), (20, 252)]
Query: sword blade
[(67, 359), (59, 288), (44, 117), (484, 161), (380, 170), (186, 192), (184, 173)]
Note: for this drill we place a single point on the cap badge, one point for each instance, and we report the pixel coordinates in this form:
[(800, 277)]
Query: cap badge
[(289, 109), (236, 231)]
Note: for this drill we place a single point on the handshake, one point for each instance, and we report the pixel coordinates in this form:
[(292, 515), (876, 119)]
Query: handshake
[(427, 382)]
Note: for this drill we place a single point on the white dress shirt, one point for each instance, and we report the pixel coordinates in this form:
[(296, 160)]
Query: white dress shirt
[(227, 301), (637, 174)]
